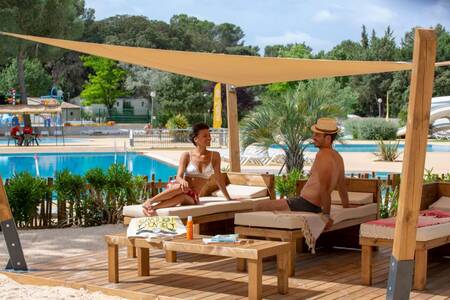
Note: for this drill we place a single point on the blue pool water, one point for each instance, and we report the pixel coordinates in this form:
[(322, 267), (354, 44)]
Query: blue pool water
[(372, 148), (378, 174), (46, 141), (78, 163)]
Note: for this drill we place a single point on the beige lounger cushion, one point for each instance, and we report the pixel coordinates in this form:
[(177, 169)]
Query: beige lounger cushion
[(289, 220), (423, 234), (443, 204), (207, 206), (243, 191), (355, 198)]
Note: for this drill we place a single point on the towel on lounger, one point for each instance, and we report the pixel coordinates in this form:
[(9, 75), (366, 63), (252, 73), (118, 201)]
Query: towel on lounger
[(426, 218), (312, 226)]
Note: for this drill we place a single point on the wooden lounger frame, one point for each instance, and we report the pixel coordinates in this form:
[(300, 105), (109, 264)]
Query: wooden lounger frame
[(430, 193), (249, 179), (203, 224), (420, 258), (295, 236)]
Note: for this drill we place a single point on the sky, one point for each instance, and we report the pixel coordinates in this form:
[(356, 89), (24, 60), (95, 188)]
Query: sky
[(321, 24)]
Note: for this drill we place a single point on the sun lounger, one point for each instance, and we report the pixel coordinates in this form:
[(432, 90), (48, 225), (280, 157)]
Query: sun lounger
[(276, 155), (249, 188), (431, 233), (214, 214), (364, 197), (255, 154)]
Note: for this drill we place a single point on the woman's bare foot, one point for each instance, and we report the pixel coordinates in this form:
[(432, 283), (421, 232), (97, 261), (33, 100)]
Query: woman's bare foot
[(148, 211)]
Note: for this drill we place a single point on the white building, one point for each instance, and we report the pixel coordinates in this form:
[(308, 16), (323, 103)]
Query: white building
[(123, 106)]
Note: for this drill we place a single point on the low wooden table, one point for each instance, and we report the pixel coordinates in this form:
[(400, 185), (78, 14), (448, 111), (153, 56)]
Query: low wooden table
[(249, 254)]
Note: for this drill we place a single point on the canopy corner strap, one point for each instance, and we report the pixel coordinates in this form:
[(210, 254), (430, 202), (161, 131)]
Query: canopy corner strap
[(421, 89), (16, 260)]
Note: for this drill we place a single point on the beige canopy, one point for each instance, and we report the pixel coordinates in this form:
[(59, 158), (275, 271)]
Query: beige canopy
[(237, 70), (30, 109)]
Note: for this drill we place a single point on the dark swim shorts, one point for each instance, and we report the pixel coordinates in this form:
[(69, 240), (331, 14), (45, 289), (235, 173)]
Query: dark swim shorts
[(301, 204)]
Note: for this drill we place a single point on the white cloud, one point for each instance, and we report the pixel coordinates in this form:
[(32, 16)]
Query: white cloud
[(293, 37), (323, 16), (373, 14)]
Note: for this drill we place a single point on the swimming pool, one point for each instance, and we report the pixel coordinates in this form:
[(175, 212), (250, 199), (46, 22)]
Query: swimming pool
[(371, 148), (46, 141), (46, 164)]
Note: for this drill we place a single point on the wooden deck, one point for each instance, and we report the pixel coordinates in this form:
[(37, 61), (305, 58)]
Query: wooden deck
[(330, 274)]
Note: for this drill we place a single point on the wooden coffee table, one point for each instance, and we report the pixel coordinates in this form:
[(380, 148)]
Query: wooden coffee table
[(249, 254)]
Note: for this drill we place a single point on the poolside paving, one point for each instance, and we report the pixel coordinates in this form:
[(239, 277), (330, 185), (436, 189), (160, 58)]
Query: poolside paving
[(354, 161)]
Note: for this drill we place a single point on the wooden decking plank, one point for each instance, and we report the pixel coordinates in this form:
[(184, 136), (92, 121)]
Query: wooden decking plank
[(187, 270), (234, 281)]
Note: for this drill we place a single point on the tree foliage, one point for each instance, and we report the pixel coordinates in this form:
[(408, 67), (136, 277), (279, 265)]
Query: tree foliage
[(105, 84), (38, 82), (189, 33), (53, 18)]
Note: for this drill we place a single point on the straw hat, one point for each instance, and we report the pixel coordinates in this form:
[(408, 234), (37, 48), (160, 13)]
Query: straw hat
[(325, 126)]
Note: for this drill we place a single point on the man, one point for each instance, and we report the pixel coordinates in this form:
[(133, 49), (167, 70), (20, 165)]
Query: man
[(15, 134), (327, 174)]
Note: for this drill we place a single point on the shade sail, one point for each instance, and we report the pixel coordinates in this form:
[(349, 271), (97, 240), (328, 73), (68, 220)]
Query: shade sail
[(29, 109), (238, 70)]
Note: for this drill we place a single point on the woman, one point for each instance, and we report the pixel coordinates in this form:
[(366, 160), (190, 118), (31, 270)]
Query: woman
[(194, 170)]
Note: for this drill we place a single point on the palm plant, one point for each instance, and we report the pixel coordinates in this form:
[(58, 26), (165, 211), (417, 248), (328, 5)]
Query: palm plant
[(387, 151), (287, 120)]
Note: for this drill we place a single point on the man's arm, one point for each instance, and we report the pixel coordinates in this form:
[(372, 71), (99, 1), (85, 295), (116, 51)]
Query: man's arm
[(342, 189)]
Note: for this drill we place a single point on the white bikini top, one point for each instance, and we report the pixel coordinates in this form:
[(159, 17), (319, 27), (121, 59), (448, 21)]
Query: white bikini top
[(192, 170)]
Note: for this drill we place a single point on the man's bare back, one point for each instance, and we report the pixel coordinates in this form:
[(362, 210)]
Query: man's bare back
[(326, 175)]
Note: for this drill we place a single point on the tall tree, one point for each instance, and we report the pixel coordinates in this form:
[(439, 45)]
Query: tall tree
[(52, 18), (364, 38), (105, 84), (37, 80)]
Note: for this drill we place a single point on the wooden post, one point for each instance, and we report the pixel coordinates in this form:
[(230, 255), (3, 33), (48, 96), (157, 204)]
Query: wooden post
[(113, 263), (8, 226), (233, 130), (421, 89)]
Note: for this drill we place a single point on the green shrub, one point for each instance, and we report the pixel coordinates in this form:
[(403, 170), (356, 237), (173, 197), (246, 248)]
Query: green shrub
[(70, 188), (372, 129), (24, 194), (286, 185), (387, 151), (177, 122), (352, 127), (118, 186), (429, 176), (389, 204), (95, 209)]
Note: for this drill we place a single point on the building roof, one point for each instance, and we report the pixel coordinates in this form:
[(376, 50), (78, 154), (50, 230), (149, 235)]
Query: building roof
[(65, 105), (30, 109)]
